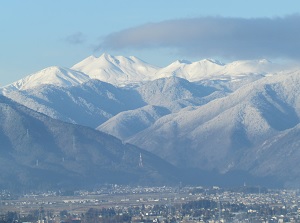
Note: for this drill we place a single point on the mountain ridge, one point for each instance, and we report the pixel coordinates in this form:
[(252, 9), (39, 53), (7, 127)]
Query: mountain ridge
[(204, 115), (219, 133), (54, 75), (45, 153), (116, 69), (123, 71)]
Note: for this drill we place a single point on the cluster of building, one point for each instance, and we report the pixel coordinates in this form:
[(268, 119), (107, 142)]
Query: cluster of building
[(114, 203)]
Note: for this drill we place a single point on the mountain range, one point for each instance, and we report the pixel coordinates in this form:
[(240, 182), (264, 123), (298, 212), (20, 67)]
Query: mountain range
[(205, 116), (38, 152)]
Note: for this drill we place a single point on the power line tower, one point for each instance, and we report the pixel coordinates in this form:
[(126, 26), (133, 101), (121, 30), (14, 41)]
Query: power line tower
[(141, 161), (41, 215), (73, 143), (2, 215), (219, 208), (124, 155)]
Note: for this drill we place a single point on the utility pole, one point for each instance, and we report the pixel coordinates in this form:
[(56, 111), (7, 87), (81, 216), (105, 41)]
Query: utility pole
[(219, 207)]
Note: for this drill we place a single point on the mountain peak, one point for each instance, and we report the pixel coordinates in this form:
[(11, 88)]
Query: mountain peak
[(122, 70), (92, 57), (213, 61), (117, 70), (264, 61), (183, 61), (106, 56), (54, 75)]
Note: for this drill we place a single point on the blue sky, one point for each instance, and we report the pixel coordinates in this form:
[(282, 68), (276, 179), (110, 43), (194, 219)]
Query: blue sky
[(37, 34)]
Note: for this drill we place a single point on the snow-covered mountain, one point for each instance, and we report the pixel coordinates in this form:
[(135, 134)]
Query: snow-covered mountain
[(176, 93), (128, 123), (117, 70), (211, 69), (38, 152), (279, 154), (122, 71), (222, 132), (163, 96), (205, 114), (89, 104), (57, 76)]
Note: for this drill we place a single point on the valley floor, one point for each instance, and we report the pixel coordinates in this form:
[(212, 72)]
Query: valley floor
[(154, 204)]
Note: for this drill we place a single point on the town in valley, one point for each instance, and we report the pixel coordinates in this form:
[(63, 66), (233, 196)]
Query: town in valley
[(117, 203)]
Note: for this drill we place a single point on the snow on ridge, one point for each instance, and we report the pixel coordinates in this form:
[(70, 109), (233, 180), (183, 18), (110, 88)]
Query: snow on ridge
[(213, 69), (243, 119), (128, 123), (121, 70), (117, 70), (51, 75), (130, 71)]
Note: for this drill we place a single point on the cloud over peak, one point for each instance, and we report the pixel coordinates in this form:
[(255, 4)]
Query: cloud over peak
[(75, 38), (215, 36)]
